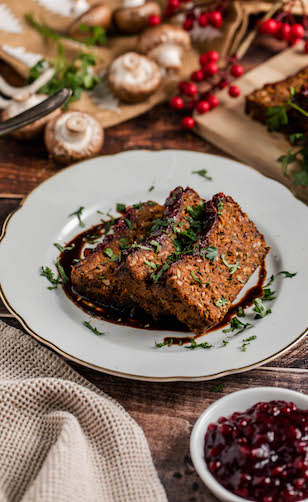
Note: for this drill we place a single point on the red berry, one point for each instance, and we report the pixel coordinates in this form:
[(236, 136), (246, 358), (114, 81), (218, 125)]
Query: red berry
[(223, 84), (191, 89), (213, 100), (173, 4), (306, 47), (215, 19), (176, 103), (203, 20), (197, 76), (284, 32), (297, 31), (210, 69), (182, 85), (187, 122), (237, 70), (203, 59), (269, 27), (213, 56), (154, 20), (234, 91), (188, 24), (203, 106)]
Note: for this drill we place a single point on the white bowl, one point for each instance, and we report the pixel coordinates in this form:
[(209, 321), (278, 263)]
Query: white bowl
[(237, 401)]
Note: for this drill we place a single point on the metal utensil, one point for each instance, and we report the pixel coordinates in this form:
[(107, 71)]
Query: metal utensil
[(36, 112)]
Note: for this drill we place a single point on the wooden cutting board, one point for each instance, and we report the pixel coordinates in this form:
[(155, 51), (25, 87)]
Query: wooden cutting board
[(229, 128)]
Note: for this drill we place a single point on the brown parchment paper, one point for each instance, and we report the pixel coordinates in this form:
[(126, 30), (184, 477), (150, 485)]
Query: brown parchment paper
[(229, 128)]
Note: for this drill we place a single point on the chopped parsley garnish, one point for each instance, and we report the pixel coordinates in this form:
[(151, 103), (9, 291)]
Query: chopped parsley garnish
[(195, 278), (97, 34), (108, 252), (268, 295), (240, 311), (261, 309), (220, 206), (156, 245), (141, 247), (276, 117), (48, 273), (156, 277), (168, 342), (124, 243), (138, 205), (232, 268), (76, 260), (271, 280), (193, 345), (217, 388), (62, 273), (247, 341), (78, 214), (203, 174), (150, 264), (221, 302), (224, 343), (91, 239), (210, 253), (151, 188), (108, 224), (237, 325), (129, 223), (63, 248), (120, 207), (287, 274), (92, 328)]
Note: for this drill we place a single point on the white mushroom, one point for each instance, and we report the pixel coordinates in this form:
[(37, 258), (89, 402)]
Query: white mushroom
[(165, 44), (20, 104), (133, 77), (133, 16), (97, 15), (73, 136), (27, 90)]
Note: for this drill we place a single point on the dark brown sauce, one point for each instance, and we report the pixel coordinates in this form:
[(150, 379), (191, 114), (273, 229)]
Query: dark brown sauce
[(133, 316)]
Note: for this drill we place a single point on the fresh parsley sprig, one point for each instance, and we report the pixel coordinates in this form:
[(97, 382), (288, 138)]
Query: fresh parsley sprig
[(238, 326), (203, 173), (92, 328), (246, 342), (78, 213), (49, 274)]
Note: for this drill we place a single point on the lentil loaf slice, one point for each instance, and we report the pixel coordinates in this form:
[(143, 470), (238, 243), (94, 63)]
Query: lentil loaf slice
[(199, 288), (95, 276), (142, 267), (277, 94)]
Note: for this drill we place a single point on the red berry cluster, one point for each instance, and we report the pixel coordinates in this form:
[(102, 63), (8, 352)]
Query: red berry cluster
[(193, 98), (290, 32), (195, 13)]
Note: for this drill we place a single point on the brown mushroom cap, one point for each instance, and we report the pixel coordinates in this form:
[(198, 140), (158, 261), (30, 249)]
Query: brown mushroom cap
[(19, 105), (133, 77), (163, 34), (73, 136), (97, 15), (135, 19)]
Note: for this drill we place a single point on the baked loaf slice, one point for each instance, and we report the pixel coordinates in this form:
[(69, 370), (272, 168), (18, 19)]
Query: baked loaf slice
[(95, 276), (277, 94), (200, 287), (143, 268)]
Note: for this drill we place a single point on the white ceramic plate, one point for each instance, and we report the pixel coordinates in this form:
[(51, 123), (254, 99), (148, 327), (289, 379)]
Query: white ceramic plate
[(29, 234)]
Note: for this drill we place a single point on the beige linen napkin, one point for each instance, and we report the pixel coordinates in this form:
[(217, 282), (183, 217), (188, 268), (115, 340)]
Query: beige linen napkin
[(61, 438)]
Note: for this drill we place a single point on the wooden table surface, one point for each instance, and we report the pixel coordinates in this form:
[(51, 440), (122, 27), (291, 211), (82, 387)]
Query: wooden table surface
[(165, 411)]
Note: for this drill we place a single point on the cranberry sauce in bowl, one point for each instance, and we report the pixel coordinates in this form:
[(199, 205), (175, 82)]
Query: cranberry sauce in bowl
[(261, 454)]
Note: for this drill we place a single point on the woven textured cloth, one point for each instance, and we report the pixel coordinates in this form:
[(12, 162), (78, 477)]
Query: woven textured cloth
[(61, 438)]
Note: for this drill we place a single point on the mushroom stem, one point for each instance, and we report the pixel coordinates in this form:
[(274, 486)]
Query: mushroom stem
[(27, 90)]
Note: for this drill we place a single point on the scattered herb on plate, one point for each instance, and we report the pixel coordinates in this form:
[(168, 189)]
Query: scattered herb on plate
[(203, 173), (268, 295), (63, 248), (78, 213), (247, 341), (129, 223), (62, 273), (92, 328), (120, 207), (237, 325), (232, 268), (193, 345), (151, 188), (168, 342), (261, 309), (49, 274), (240, 311), (217, 388), (287, 274)]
